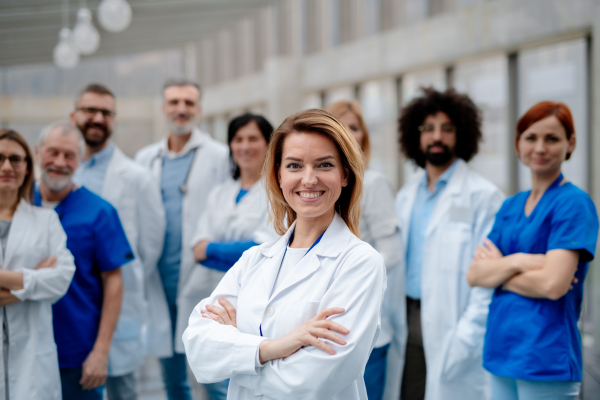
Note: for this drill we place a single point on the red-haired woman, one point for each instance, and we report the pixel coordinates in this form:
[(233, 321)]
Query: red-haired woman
[(536, 257)]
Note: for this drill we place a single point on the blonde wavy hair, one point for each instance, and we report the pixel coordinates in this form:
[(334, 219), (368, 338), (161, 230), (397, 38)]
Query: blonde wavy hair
[(340, 108), (321, 123)]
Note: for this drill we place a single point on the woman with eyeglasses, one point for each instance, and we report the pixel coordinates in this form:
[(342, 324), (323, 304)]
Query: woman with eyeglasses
[(380, 228), (36, 269), (297, 318), (536, 258)]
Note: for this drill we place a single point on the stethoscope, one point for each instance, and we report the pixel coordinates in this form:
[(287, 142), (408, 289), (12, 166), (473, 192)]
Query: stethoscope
[(184, 186), (285, 252)]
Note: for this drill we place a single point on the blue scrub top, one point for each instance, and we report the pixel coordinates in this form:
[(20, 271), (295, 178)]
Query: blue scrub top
[(98, 243), (537, 339)]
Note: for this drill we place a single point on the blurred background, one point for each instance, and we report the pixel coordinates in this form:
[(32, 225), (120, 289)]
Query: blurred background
[(276, 57)]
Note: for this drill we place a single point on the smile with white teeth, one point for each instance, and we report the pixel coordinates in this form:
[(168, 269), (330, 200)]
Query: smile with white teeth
[(310, 195)]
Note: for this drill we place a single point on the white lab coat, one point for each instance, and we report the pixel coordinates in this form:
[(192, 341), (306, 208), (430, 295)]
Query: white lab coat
[(209, 168), (453, 315), (340, 271), (225, 221), (378, 222), (35, 234), (135, 194)]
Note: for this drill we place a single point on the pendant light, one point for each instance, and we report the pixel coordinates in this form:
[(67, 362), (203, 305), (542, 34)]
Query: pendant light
[(66, 54), (85, 34), (114, 15)]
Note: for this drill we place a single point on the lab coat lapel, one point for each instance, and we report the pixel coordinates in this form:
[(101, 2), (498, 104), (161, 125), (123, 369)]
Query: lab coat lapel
[(332, 243), (445, 201), (113, 187), (18, 231), (274, 252)]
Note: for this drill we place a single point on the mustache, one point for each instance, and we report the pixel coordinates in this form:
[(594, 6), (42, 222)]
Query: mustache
[(182, 115), (63, 170), (438, 144), (89, 125)]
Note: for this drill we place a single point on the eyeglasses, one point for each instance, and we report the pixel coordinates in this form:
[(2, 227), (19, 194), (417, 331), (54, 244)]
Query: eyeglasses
[(16, 161), (430, 128), (91, 112)]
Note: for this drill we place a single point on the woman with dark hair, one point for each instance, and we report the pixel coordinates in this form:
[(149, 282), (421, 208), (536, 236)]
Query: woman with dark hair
[(379, 227), (536, 258), (36, 269)]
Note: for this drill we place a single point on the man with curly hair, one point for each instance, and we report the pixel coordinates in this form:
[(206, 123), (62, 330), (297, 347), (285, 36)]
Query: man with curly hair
[(444, 215)]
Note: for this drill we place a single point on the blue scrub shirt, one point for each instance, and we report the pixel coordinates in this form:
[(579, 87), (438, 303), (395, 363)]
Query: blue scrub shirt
[(537, 339), (98, 243)]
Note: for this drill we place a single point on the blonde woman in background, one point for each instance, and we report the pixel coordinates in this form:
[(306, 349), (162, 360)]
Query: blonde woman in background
[(380, 228), (263, 325)]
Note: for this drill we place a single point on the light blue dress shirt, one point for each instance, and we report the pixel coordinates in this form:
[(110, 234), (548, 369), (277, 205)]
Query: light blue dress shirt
[(92, 173), (423, 208)]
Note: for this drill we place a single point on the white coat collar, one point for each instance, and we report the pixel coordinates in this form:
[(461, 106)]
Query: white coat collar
[(334, 240), (195, 140)]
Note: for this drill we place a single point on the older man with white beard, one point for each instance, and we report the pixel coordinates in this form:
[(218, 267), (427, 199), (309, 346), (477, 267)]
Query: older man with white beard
[(85, 318), (188, 164)]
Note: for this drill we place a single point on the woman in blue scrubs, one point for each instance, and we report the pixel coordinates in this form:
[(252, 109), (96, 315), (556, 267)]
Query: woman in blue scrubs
[(536, 258)]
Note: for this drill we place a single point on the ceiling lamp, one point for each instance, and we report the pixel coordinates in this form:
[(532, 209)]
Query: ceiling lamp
[(85, 34), (114, 15), (66, 55)]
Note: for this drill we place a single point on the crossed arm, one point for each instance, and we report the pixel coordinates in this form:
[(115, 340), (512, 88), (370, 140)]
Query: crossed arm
[(547, 275), (12, 280)]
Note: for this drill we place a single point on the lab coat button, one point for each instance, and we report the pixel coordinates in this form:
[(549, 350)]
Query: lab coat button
[(270, 311)]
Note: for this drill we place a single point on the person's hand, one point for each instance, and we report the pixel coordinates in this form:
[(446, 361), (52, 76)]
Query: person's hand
[(573, 282), (94, 370), (49, 262), (487, 250), (200, 250), (224, 316), (307, 334)]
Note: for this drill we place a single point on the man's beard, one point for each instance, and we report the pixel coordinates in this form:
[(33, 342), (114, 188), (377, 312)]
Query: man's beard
[(93, 142), (439, 159), (181, 130), (57, 184)]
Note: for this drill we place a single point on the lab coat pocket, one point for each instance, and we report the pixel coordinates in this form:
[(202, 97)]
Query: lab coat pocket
[(456, 240), (459, 358)]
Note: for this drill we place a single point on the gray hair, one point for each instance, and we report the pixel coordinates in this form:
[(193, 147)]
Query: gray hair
[(182, 82), (65, 127)]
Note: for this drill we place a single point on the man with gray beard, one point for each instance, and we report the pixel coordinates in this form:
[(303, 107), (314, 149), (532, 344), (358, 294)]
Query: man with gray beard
[(188, 164), (85, 318)]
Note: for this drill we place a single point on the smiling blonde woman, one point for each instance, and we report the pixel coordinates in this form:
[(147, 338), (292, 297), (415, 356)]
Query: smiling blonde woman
[(264, 325)]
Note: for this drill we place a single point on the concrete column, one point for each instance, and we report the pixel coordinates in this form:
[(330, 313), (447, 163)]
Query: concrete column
[(284, 89)]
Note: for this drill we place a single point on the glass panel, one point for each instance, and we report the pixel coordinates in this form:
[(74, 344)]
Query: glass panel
[(379, 104), (486, 82), (558, 73), (411, 85)]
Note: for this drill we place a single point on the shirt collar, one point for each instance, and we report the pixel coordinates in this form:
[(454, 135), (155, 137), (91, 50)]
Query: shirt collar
[(103, 156), (194, 141), (443, 179)]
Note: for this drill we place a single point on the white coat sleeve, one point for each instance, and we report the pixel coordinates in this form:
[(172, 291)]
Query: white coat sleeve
[(216, 352), (310, 373), (49, 284), (205, 222), (382, 222), (467, 340), (152, 224)]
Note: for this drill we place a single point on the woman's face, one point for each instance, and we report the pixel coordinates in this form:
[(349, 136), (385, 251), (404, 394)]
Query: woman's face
[(544, 145), (249, 148), (12, 173), (351, 121), (311, 175)]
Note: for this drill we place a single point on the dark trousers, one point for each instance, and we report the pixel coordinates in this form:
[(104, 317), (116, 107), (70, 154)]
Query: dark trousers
[(415, 371)]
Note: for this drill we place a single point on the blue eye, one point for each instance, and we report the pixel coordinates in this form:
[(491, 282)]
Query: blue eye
[(326, 165), (293, 166)]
